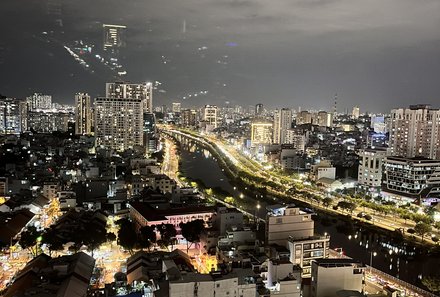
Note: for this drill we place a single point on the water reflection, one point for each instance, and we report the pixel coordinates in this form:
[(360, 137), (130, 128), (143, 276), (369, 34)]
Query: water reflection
[(393, 255)]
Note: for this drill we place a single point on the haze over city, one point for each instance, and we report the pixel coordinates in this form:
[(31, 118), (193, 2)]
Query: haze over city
[(375, 54)]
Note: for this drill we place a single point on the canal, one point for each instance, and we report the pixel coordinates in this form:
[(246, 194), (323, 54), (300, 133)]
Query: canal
[(393, 256)]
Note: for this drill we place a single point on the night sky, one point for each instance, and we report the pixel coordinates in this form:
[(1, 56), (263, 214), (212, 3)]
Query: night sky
[(377, 54)]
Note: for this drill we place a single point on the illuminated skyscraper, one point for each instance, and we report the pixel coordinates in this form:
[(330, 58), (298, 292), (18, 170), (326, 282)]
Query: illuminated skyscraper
[(83, 114), (126, 90), (13, 116), (415, 131), (119, 123), (281, 123), (210, 115), (113, 36), (261, 133), (39, 101), (176, 107), (259, 108)]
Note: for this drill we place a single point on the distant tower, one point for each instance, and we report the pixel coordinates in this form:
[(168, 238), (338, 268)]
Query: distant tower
[(184, 27), (259, 109), (335, 107)]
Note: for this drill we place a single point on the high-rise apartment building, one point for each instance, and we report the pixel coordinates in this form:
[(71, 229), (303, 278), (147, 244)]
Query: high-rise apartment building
[(113, 36), (13, 116), (355, 113), (189, 117), (371, 162), (259, 109), (210, 113), (323, 119), (39, 101), (281, 123), (176, 107), (303, 117), (261, 133), (48, 121), (83, 114), (119, 123), (126, 90), (415, 131)]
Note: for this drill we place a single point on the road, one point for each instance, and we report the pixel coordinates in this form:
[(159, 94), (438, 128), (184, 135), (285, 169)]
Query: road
[(387, 222)]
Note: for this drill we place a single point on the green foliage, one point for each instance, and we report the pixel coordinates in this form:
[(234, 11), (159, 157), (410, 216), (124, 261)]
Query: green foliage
[(422, 228), (167, 234), (51, 240), (432, 283), (191, 231), (127, 237), (29, 240), (147, 237)]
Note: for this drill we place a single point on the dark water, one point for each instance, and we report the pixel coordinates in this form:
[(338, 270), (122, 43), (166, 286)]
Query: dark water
[(393, 256)]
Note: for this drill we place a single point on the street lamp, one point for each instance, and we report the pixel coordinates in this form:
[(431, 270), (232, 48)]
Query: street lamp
[(372, 254), (256, 213)]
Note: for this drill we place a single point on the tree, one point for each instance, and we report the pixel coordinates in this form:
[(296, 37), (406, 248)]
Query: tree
[(432, 283), (29, 239), (327, 201), (191, 231), (127, 237), (111, 237), (422, 229), (94, 236), (147, 237), (167, 234), (52, 241)]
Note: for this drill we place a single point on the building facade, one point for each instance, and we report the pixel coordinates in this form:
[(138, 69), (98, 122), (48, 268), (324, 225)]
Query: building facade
[(281, 123), (119, 123), (13, 116), (261, 133), (371, 161), (210, 114), (412, 177), (286, 222), (415, 131), (126, 90), (39, 101), (83, 114)]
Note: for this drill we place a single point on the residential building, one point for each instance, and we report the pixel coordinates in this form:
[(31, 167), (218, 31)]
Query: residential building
[(226, 218), (332, 275), (189, 118), (281, 123), (13, 116), (39, 101), (282, 278), (296, 138), (127, 90), (412, 177), (304, 250), (323, 119), (119, 123), (261, 133), (371, 162), (303, 117), (259, 109), (45, 276), (415, 131), (210, 114), (83, 114), (48, 121), (286, 222), (176, 107), (355, 112), (323, 169)]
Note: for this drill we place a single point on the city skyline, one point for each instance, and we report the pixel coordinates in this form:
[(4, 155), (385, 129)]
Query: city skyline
[(378, 55)]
